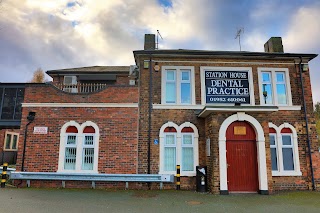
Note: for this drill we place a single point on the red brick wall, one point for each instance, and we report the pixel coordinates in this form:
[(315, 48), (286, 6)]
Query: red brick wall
[(209, 127), (44, 93), (118, 128)]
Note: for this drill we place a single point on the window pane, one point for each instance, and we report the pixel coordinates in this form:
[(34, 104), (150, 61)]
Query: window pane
[(274, 160), (266, 77), (286, 139), (14, 141), (170, 92), (287, 155), (170, 140), (272, 140), (267, 89), (185, 75), (170, 75), (71, 139), (169, 159), (280, 77), (281, 93), (88, 140), (185, 93), (1, 93), (8, 103), (87, 158), (187, 139), (19, 101), (187, 159), (8, 141), (70, 158)]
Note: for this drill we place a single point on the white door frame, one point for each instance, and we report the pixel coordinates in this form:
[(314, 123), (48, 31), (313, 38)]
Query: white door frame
[(261, 151)]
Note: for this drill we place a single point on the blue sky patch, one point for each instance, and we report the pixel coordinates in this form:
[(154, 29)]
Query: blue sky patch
[(74, 23), (165, 3), (71, 4)]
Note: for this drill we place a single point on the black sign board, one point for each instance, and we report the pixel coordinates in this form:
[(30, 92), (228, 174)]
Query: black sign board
[(227, 87)]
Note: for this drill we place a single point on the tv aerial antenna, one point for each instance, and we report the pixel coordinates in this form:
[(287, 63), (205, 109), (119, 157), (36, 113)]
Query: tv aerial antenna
[(157, 43), (239, 31)]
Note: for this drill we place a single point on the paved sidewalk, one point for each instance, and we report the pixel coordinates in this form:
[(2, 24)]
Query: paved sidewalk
[(74, 200)]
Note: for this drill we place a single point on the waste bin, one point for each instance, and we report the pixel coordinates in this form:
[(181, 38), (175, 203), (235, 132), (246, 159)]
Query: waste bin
[(201, 178)]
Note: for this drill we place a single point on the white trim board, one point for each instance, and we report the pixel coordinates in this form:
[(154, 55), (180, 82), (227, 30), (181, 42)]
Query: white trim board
[(224, 62), (118, 105)]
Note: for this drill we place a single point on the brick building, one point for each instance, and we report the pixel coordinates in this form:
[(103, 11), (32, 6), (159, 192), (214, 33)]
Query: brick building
[(85, 122), (11, 97), (241, 114), (246, 116)]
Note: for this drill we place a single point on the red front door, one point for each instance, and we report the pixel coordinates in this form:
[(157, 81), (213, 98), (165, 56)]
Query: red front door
[(242, 167)]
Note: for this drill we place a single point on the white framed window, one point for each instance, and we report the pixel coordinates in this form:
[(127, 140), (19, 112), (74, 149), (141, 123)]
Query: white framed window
[(178, 146), (70, 84), (11, 141), (79, 147), (88, 152), (170, 150), (187, 156), (274, 86), (178, 85), (284, 150), (70, 152)]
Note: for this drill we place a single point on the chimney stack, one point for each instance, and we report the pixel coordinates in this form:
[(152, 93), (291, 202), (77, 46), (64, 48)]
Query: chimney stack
[(149, 41), (274, 45)]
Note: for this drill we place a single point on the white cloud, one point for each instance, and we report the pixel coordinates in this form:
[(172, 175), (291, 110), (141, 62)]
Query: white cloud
[(303, 35), (304, 30)]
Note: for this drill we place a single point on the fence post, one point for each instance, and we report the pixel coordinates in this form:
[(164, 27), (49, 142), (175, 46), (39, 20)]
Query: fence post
[(4, 175), (178, 177)]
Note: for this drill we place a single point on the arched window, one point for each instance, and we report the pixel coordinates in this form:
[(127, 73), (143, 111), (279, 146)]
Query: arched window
[(70, 148), (79, 146), (178, 146), (284, 150), (88, 148)]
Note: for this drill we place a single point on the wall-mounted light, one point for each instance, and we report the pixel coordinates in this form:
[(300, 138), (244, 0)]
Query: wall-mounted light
[(305, 67), (145, 64), (156, 67), (31, 116)]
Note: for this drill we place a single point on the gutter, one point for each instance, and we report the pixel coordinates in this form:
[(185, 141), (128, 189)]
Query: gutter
[(307, 125), (149, 116)]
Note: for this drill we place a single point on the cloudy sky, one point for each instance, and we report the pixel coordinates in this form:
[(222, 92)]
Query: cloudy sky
[(61, 34)]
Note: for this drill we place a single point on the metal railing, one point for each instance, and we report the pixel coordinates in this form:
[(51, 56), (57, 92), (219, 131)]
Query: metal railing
[(9, 170), (92, 177), (80, 87)]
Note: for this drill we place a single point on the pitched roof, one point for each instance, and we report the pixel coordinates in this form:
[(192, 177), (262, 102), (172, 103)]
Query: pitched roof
[(227, 54), (92, 69)]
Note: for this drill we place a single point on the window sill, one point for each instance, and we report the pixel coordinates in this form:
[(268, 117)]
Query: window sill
[(288, 173), (285, 107), (176, 106)]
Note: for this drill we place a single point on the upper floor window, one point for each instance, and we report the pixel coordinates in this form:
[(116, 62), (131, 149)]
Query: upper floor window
[(79, 147), (178, 85), (274, 86), (284, 150), (10, 103), (11, 141), (70, 84)]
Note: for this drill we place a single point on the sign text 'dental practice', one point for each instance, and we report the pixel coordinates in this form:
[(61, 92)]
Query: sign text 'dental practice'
[(227, 87)]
